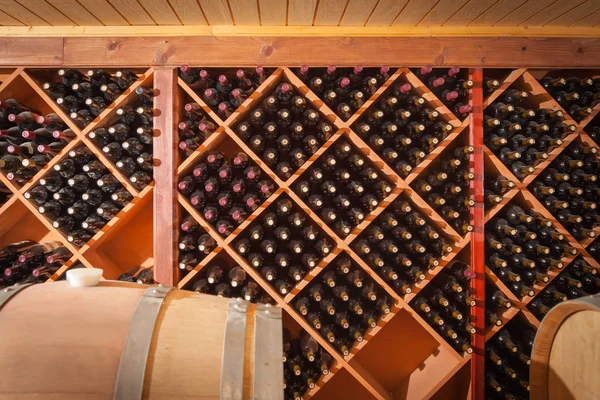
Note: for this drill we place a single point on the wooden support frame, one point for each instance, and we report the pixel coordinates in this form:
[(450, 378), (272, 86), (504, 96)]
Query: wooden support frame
[(165, 53)]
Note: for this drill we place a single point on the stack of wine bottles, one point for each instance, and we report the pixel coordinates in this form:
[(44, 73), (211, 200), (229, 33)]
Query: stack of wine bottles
[(304, 362), (344, 305), (226, 92), (223, 280), (5, 194), (496, 304), (401, 246), (578, 280), (446, 305), (31, 262), (507, 362), (79, 196), (194, 244), (284, 131), (284, 245), (342, 187), (344, 90), (402, 128), (128, 142), (523, 137), (569, 189), (495, 188), (28, 141), (450, 86), (138, 274), (194, 129), (85, 95), (226, 192), (447, 188), (522, 247), (576, 95)]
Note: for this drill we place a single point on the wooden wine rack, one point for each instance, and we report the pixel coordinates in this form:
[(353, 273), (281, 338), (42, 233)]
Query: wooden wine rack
[(403, 357)]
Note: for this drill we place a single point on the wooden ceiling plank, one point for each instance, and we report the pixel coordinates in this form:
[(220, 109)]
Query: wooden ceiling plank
[(576, 14), (245, 12), (358, 12), (7, 20), (160, 11), (102, 10), (442, 12), (301, 12), (20, 13), (46, 11), (217, 12), (552, 12), (498, 11), (75, 12), (188, 11), (330, 12), (132, 11), (273, 12), (385, 12), (524, 12), (414, 12), (472, 10), (591, 20)]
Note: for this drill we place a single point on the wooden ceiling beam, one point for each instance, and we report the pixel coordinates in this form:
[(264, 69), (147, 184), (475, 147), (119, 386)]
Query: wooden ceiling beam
[(238, 51)]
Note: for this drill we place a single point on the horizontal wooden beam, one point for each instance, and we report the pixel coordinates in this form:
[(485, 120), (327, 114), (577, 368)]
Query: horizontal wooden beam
[(487, 52), (311, 31)]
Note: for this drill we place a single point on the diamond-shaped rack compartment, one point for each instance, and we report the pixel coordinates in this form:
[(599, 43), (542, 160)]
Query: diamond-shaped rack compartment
[(274, 244), (20, 224), (446, 302), (85, 94), (344, 90), (305, 372), (216, 87), (108, 249), (577, 280), (221, 276), (426, 357), (124, 135), (344, 165), (445, 185), (28, 123), (395, 233), (227, 196), (345, 305), (78, 186), (577, 91), (509, 350), (594, 249), (286, 131), (592, 129), (196, 123), (450, 85), (516, 270), (501, 305), (5, 194), (568, 189), (528, 138), (392, 127)]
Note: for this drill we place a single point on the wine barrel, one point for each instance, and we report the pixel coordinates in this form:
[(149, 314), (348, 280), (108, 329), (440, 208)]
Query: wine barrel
[(127, 341), (565, 361)]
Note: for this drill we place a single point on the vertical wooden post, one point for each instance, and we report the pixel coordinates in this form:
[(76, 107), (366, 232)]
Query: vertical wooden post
[(165, 167), (477, 239)]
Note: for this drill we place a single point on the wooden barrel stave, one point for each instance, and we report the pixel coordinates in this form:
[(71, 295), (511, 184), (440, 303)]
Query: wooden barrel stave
[(565, 361)]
